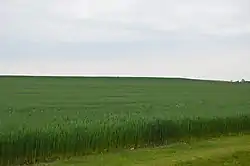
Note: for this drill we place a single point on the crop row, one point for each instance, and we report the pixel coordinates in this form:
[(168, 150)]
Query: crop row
[(79, 138)]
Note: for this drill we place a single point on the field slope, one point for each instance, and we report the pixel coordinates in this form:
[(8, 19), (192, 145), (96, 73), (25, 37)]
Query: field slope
[(44, 117)]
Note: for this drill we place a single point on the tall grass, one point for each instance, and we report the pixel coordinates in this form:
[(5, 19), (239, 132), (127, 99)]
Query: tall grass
[(29, 146)]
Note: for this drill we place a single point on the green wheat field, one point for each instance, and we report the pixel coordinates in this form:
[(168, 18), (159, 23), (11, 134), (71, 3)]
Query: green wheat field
[(44, 117)]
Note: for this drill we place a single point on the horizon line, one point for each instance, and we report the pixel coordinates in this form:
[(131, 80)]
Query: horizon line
[(113, 76)]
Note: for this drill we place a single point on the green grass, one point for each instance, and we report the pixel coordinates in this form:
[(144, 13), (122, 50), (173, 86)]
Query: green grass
[(229, 151), (53, 116), (42, 100)]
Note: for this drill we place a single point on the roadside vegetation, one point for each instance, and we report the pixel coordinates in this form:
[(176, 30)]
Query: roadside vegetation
[(228, 151)]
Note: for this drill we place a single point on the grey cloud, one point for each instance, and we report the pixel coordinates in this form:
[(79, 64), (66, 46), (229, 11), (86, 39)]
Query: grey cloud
[(171, 37), (65, 21)]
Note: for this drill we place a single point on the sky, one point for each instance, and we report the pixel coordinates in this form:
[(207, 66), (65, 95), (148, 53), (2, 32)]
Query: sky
[(202, 39)]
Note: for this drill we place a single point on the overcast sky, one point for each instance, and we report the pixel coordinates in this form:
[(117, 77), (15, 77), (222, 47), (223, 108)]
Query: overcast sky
[(207, 39)]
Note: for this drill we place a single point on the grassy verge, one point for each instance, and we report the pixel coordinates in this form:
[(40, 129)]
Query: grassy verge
[(231, 151)]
